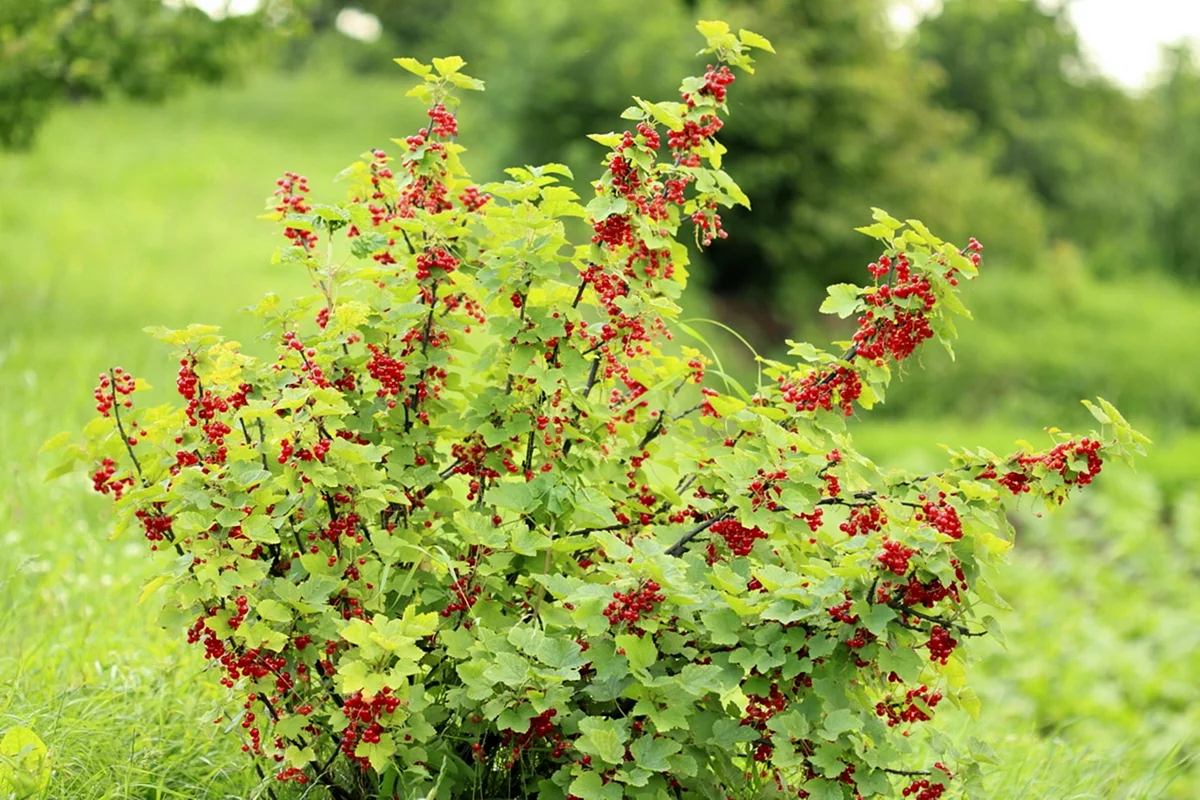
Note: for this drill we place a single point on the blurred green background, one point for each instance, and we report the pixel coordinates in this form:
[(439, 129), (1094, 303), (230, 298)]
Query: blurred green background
[(986, 119)]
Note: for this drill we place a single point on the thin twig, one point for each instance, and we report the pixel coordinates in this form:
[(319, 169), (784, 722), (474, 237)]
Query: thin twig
[(121, 428)]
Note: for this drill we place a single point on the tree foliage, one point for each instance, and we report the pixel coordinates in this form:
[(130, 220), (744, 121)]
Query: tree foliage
[(1017, 69), (57, 51)]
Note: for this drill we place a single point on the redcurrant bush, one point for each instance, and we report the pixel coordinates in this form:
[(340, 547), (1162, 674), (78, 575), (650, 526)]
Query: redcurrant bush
[(487, 525)]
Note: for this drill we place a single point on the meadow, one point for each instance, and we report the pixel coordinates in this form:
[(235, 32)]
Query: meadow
[(125, 216)]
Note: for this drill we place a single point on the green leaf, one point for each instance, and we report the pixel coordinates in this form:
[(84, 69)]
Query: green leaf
[(1098, 413), (605, 205), (723, 625), (259, 528), (843, 300), (509, 669), (602, 737), (465, 82), (710, 29), (590, 786), (449, 65), (56, 441), (877, 619), (417, 625), (379, 754), (24, 763), (640, 650), (751, 39), (662, 114), (731, 188), (560, 652), (414, 66), (592, 509), (516, 719), (366, 244), (968, 700), (651, 753), (827, 758), (821, 789), (606, 139), (152, 587), (528, 541), (839, 722), (513, 496), (879, 215), (923, 232), (273, 610), (877, 231)]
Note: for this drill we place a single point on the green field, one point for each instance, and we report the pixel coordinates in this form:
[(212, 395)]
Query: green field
[(128, 216)]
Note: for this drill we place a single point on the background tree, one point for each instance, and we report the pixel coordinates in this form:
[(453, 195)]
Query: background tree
[(843, 123), (1017, 70), (1174, 114), (55, 51)]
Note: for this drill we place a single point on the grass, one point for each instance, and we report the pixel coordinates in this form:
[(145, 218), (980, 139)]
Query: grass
[(126, 216)]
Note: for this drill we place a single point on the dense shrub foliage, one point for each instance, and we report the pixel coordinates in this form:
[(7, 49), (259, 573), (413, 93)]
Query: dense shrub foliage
[(488, 526)]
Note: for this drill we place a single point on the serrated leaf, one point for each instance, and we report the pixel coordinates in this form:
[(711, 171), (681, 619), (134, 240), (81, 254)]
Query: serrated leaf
[(509, 669), (606, 139), (259, 528), (879, 215), (414, 66), (969, 701), (711, 29), (465, 82), (602, 737), (919, 228), (604, 206), (652, 753), (640, 650), (1097, 412), (752, 39), (843, 300), (56, 441), (448, 65), (527, 541), (273, 610), (590, 786), (24, 763), (877, 231), (839, 722), (152, 587), (513, 496)]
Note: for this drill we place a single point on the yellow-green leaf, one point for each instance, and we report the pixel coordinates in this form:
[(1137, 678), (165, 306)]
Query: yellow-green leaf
[(712, 28), (414, 66), (152, 587), (752, 39), (449, 65), (24, 763)]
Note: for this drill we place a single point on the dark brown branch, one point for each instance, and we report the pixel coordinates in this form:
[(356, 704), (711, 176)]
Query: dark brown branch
[(586, 531), (591, 379), (529, 450), (262, 775), (962, 630), (676, 549), (250, 442), (653, 433), (907, 773), (429, 318)]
